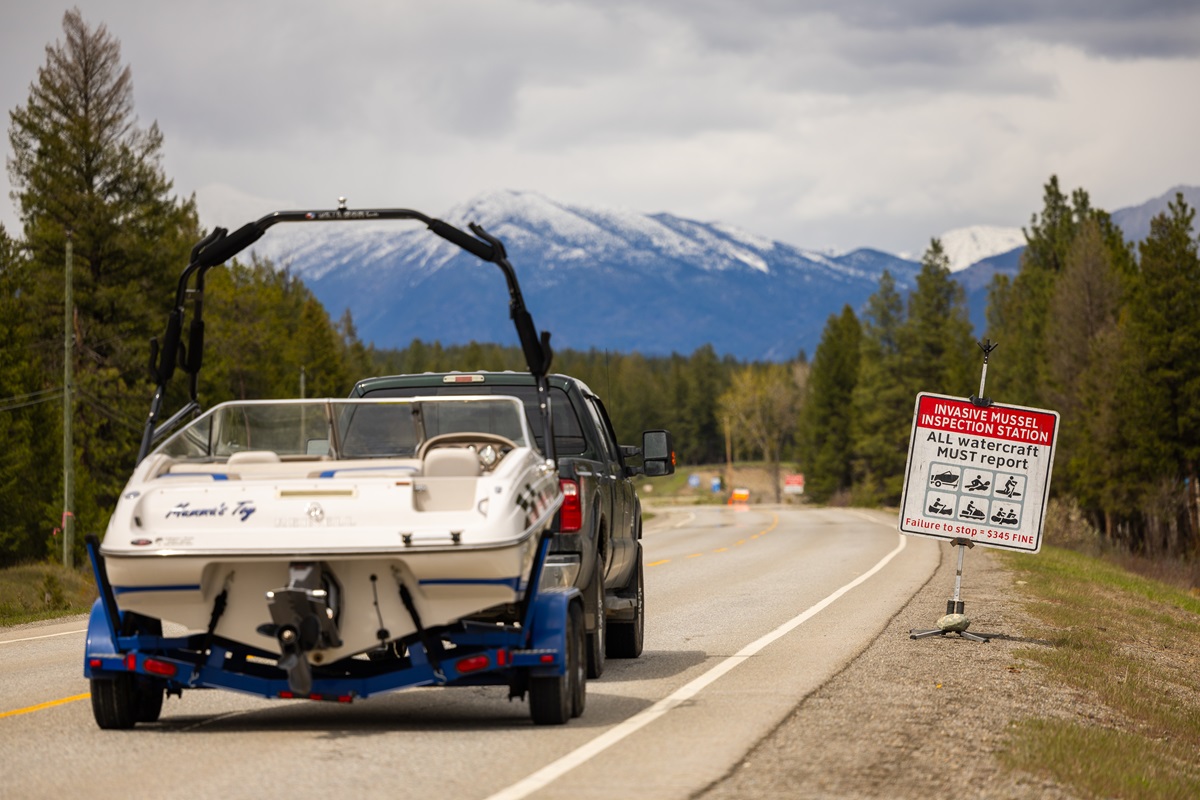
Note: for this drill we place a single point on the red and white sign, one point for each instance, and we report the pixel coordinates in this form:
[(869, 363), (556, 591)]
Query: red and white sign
[(794, 483), (978, 472)]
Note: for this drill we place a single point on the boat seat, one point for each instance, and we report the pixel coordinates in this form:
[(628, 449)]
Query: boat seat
[(451, 462), (254, 457)]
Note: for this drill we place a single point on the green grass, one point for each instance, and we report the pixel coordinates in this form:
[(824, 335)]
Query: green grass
[(43, 591), (1130, 643)]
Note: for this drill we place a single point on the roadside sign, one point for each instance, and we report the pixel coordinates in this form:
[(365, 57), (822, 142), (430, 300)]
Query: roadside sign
[(978, 472), (793, 484)]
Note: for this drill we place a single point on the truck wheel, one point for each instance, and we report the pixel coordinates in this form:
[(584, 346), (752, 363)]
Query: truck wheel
[(553, 701), (597, 639), (625, 638), (115, 702)]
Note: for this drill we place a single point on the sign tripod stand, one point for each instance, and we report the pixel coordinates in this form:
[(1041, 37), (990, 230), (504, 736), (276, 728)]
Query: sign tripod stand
[(955, 621)]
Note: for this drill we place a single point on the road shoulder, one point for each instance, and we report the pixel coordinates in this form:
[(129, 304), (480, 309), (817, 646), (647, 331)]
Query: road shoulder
[(917, 718)]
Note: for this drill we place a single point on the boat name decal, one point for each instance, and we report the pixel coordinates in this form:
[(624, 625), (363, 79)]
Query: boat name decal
[(242, 510)]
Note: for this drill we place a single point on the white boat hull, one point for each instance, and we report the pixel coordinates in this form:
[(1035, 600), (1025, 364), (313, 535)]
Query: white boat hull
[(179, 538)]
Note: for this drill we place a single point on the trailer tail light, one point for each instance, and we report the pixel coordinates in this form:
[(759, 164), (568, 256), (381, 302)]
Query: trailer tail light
[(570, 516), (131, 662), (163, 668), (95, 663), (472, 664)]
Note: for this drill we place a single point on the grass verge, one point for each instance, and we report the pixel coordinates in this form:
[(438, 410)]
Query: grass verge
[(1130, 644), (43, 591)]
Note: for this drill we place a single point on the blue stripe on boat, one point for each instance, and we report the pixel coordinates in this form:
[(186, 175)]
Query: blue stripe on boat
[(178, 588), (333, 472), (216, 476)]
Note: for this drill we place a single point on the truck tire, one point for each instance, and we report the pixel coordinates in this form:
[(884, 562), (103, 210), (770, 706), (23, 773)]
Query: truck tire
[(554, 700), (597, 639), (625, 638)]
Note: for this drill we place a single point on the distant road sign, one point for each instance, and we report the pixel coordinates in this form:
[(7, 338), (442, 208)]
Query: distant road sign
[(978, 472), (793, 484)]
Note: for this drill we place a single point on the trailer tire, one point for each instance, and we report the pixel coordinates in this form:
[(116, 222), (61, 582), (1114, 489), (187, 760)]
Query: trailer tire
[(149, 698), (554, 700), (597, 640), (115, 702), (625, 638)]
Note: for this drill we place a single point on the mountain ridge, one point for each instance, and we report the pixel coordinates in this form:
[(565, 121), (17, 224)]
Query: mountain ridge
[(612, 279)]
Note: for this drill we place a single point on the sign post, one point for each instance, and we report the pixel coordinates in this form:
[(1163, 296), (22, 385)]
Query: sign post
[(978, 473)]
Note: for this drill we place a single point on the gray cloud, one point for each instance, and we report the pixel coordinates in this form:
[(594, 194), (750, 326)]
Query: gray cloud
[(820, 122)]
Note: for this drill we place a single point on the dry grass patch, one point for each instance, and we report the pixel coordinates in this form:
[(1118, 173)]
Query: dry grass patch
[(43, 591), (1130, 643)]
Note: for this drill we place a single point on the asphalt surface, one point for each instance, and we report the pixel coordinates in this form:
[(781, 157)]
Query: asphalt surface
[(749, 612)]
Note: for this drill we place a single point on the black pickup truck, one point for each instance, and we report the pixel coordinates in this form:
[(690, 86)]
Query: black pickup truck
[(596, 544)]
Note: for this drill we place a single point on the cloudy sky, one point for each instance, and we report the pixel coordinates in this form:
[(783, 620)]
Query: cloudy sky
[(829, 124)]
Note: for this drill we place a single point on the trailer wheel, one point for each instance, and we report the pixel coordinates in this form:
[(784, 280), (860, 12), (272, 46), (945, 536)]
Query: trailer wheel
[(149, 698), (625, 638), (115, 702), (125, 700), (597, 640), (553, 701)]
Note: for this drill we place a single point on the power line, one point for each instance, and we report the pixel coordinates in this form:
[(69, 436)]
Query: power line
[(24, 401)]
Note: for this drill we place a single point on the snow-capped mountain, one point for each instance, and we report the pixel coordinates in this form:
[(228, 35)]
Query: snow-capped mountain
[(595, 278), (615, 279), (967, 246)]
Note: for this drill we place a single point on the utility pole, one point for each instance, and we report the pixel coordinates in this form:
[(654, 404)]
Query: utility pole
[(728, 455), (68, 517)]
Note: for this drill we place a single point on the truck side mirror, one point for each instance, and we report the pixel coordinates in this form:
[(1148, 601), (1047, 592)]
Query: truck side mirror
[(658, 453)]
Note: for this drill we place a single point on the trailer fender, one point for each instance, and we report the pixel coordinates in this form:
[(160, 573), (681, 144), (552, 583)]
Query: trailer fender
[(548, 630), (100, 641)]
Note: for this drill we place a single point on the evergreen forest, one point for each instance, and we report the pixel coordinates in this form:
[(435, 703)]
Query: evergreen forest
[(1105, 332)]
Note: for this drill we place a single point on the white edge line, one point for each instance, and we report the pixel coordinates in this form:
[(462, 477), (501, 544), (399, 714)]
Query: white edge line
[(45, 636), (555, 769), (691, 516)]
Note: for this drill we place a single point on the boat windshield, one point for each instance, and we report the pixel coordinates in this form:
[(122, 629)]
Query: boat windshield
[(340, 429)]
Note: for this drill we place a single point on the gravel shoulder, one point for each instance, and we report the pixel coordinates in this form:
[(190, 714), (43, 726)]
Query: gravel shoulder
[(918, 718)]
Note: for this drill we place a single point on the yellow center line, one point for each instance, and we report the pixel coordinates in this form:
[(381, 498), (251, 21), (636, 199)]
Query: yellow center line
[(47, 704), (763, 532)]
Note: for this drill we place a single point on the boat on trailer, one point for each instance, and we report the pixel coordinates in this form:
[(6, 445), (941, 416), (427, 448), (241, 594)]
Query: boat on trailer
[(333, 549)]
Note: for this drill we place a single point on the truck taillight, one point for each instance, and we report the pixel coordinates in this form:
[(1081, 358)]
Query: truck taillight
[(570, 516)]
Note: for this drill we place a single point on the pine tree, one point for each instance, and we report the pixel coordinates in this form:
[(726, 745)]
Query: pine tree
[(937, 346), (883, 400), (825, 422), (699, 434), (1022, 304), (81, 166), (1163, 327), (1082, 315)]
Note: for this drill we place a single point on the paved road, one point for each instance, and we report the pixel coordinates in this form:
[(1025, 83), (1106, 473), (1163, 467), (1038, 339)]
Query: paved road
[(748, 612)]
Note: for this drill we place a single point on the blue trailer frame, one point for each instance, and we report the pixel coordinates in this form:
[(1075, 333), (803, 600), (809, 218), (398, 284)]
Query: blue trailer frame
[(538, 648)]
